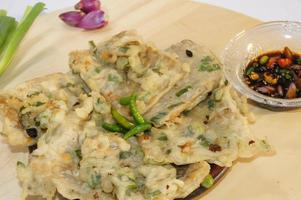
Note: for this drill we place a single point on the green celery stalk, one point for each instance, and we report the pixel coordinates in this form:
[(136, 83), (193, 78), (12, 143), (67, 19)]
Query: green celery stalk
[(18, 35), (6, 24), (3, 12)]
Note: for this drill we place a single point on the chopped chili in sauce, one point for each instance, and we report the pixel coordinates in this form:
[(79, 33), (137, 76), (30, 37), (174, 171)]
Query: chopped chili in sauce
[(275, 74)]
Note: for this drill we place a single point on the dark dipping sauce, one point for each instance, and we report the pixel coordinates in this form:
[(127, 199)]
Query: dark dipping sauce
[(275, 74)]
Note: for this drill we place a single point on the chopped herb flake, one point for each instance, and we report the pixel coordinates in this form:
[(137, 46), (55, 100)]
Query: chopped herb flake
[(122, 62), (130, 188), (98, 101), (189, 131), (211, 104), (163, 137), (94, 180), (154, 193), (123, 49), (124, 154), (208, 65), (174, 105), (39, 103), (157, 117), (183, 91), (33, 94), (78, 153), (114, 78), (168, 151), (20, 164), (97, 70), (70, 85), (94, 51), (203, 141)]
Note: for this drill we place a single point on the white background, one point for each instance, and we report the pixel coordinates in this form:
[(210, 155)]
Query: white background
[(265, 10)]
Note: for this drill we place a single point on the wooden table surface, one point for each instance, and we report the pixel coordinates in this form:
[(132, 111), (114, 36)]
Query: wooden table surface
[(45, 50)]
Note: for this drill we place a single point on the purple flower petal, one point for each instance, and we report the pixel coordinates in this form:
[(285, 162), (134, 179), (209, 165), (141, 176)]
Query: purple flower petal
[(93, 20), (88, 5), (72, 18)]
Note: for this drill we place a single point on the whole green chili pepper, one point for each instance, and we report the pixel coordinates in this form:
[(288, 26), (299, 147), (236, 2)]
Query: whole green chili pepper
[(121, 119), (113, 127), (125, 100), (135, 113), (138, 129)]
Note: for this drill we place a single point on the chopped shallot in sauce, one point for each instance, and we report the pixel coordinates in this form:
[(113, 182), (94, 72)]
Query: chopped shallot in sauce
[(275, 74)]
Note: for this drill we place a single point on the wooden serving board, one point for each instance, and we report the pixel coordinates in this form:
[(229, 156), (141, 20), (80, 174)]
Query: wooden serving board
[(45, 50)]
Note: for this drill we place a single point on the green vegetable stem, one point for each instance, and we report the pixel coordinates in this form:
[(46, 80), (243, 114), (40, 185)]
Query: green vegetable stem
[(12, 42)]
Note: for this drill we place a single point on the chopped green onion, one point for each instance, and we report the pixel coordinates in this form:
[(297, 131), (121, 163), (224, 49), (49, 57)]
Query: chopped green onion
[(211, 104), (78, 153), (183, 91), (155, 119), (95, 53), (208, 181), (154, 193), (18, 35), (20, 164), (94, 180), (174, 105), (123, 49), (263, 60), (250, 70)]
